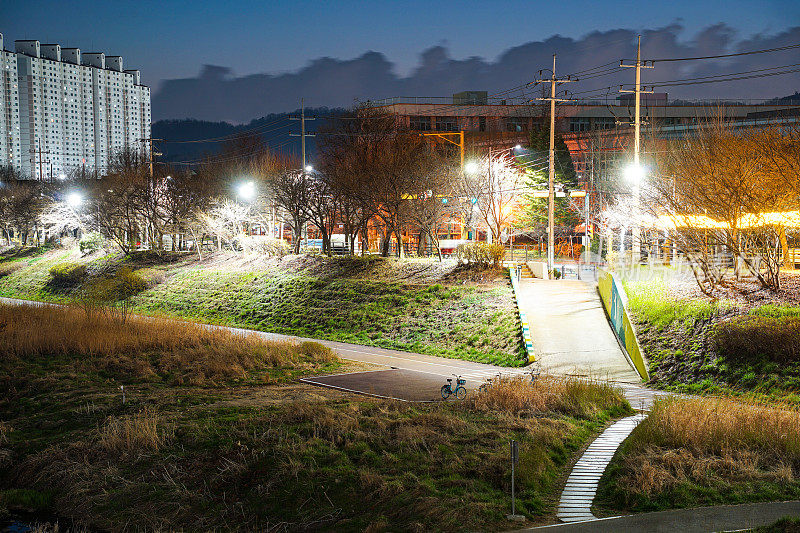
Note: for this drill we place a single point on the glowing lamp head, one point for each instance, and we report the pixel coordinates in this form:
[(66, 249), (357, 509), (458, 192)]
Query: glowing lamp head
[(518, 147), (471, 167), (247, 190), (634, 173), (74, 199), (62, 176), (309, 168)]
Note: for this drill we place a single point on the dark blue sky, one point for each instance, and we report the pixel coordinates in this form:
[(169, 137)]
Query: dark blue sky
[(172, 39)]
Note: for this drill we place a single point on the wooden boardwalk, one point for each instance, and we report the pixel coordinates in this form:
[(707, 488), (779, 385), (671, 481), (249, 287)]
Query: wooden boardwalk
[(576, 500)]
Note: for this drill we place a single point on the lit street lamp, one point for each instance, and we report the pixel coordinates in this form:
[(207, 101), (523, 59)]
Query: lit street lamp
[(247, 191), (74, 199)]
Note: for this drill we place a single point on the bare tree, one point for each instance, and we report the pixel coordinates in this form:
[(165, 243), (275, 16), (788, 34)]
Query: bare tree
[(291, 195)]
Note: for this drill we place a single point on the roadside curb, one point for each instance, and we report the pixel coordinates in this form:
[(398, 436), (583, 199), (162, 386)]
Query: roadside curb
[(523, 319)]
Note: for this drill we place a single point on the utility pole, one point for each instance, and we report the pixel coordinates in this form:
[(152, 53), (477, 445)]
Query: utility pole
[(302, 136), (637, 127), (551, 205), (302, 118), (152, 153)]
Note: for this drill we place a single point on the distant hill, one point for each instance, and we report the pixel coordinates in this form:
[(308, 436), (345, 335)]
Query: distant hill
[(207, 138), (791, 99)]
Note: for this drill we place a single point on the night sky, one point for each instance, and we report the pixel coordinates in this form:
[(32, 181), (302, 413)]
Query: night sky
[(174, 39)]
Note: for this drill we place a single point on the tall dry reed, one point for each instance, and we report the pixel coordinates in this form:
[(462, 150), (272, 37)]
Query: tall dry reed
[(142, 348), (567, 395), (714, 425), (142, 431)]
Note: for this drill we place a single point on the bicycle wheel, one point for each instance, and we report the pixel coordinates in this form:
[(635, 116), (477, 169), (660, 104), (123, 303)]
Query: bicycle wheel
[(461, 393), (446, 392)]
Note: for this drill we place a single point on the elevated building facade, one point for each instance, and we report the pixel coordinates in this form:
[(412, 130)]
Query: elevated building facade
[(70, 110)]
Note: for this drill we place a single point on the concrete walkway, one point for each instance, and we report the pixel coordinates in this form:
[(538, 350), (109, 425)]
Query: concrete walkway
[(570, 331), (694, 520)]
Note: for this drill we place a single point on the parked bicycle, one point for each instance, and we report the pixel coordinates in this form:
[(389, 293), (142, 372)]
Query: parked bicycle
[(459, 391), (488, 384), (535, 370)]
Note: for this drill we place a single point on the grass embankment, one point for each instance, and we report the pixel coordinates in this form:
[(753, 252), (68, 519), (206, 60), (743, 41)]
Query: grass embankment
[(704, 346), (705, 451), (212, 435), (380, 302)]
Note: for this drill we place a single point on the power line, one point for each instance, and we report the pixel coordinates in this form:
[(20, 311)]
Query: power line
[(765, 51)]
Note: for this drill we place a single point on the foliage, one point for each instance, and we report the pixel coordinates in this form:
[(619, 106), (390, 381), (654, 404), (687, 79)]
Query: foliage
[(718, 188), (196, 437), (481, 254), (91, 242), (114, 292), (142, 350), (757, 337), (706, 451), (67, 273)]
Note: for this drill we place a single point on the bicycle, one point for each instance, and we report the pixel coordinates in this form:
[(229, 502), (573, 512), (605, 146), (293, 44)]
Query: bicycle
[(489, 383), (535, 371), (459, 391)]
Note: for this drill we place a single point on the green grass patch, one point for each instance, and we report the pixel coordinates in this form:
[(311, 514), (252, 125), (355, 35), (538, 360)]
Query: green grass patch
[(713, 347), (369, 301), (223, 453)]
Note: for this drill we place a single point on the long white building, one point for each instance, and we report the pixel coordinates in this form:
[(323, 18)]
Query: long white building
[(66, 113)]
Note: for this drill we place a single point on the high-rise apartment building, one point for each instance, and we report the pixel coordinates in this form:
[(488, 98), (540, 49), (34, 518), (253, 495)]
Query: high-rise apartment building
[(66, 113)]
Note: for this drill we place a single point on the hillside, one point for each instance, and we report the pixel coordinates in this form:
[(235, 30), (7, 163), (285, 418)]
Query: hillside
[(415, 305)]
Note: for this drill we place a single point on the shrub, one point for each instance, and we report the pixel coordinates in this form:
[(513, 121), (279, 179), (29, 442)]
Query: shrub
[(570, 396), (91, 242), (481, 254), (114, 292), (9, 268), (757, 337), (67, 273)]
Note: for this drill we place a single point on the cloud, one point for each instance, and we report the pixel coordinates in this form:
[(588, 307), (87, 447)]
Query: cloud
[(217, 94)]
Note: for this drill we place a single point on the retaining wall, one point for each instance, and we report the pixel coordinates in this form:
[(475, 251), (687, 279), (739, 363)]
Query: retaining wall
[(611, 294)]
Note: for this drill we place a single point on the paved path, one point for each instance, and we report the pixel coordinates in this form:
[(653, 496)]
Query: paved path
[(570, 331), (694, 520), (438, 367), (576, 500)]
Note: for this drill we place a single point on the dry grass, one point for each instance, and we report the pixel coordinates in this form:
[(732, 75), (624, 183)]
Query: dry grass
[(705, 451), (181, 353), (5, 429), (142, 431), (714, 425), (566, 395)]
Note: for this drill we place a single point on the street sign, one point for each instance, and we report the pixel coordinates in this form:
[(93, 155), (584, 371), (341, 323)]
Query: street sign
[(514, 452)]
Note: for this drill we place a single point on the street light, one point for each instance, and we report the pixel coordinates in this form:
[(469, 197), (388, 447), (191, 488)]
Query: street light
[(471, 167), (309, 168), (74, 199), (62, 176), (518, 147), (634, 173), (247, 190)]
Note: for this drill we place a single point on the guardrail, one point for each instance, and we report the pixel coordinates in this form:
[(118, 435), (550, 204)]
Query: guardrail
[(611, 295), (523, 319)]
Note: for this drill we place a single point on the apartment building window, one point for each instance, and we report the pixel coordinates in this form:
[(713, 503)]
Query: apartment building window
[(446, 124), (518, 124), (419, 123)]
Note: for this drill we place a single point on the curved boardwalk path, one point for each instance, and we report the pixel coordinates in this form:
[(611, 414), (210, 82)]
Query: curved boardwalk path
[(576, 499)]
